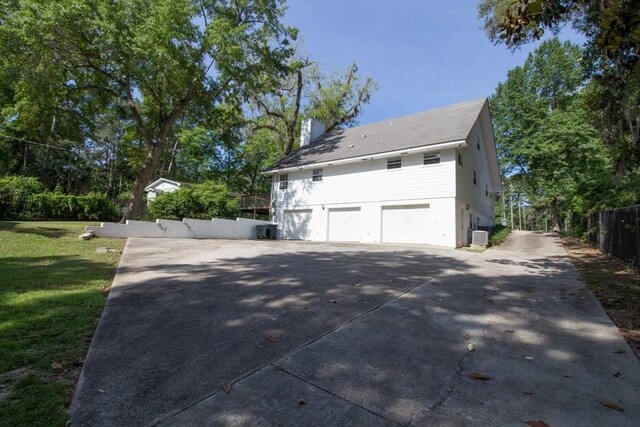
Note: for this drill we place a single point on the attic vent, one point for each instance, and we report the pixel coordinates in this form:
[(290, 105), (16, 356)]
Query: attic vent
[(350, 145), (364, 136), (395, 163)]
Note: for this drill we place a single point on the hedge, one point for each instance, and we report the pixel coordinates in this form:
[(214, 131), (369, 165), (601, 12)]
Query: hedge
[(23, 198)]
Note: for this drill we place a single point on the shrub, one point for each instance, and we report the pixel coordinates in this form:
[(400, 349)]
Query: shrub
[(200, 201), (14, 193), (23, 198), (55, 206), (499, 233)]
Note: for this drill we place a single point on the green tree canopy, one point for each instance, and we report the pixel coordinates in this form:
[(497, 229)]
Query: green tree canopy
[(545, 140), (611, 52), (151, 60)]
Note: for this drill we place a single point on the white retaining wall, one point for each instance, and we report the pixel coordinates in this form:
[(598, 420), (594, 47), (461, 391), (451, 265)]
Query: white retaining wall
[(189, 228)]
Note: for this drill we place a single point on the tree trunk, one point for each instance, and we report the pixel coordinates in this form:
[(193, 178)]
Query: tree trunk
[(24, 159), (173, 157), (555, 216), (45, 163), (136, 204)]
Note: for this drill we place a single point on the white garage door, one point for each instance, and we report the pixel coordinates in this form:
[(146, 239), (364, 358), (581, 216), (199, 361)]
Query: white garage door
[(297, 224), (344, 225), (405, 224)]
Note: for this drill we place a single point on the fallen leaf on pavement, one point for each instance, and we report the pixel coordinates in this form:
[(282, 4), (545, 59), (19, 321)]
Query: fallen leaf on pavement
[(528, 393), (252, 328), (478, 376), (617, 374), (302, 402), (333, 301), (466, 337), (568, 376), (537, 423), (471, 347), (618, 350), (508, 331), (260, 345), (226, 387), (270, 338), (612, 405), (528, 358)]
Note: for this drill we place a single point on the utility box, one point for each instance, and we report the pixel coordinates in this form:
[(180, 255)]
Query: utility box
[(480, 238), (267, 231)]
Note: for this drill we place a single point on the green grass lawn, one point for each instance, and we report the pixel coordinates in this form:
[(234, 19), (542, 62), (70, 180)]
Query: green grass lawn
[(52, 291)]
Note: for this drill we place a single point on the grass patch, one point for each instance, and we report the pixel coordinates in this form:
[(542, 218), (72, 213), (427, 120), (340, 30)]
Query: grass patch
[(616, 285), (52, 291)]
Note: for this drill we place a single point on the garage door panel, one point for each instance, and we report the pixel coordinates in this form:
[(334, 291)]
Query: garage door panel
[(405, 224), (344, 225), (297, 224)]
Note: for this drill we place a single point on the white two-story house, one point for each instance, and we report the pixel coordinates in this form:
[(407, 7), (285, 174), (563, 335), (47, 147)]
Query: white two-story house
[(424, 178)]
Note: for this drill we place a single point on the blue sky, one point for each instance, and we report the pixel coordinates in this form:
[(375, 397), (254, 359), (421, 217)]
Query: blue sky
[(422, 53)]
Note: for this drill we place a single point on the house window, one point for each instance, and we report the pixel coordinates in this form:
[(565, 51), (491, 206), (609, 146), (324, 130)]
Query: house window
[(395, 163), (475, 177), (284, 181), (431, 158), (460, 159), (317, 175)]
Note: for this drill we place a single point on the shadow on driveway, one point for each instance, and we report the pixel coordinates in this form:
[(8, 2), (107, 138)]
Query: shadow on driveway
[(319, 334)]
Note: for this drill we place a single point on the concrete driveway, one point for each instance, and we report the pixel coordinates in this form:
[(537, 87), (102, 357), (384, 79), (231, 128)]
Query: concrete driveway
[(349, 334)]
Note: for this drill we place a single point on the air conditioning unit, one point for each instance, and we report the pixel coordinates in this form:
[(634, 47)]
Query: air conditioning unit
[(480, 238)]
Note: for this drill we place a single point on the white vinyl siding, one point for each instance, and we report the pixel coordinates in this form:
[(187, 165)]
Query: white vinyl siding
[(344, 225), (370, 181), (474, 181)]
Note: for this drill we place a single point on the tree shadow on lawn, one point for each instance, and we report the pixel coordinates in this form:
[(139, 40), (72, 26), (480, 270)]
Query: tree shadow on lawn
[(49, 273), (48, 307), (174, 332), (22, 228)]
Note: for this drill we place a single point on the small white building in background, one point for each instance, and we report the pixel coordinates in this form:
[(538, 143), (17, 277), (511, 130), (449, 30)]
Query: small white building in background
[(423, 178), (160, 186)]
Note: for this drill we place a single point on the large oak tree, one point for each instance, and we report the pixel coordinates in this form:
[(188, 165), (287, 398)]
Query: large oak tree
[(150, 60)]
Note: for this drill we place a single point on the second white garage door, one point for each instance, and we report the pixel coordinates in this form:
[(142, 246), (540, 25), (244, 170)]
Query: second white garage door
[(405, 224), (344, 225)]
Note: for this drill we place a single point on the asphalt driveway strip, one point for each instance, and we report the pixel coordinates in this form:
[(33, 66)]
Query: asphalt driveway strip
[(349, 334)]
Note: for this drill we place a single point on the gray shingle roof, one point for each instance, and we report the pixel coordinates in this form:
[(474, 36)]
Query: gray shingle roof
[(445, 124)]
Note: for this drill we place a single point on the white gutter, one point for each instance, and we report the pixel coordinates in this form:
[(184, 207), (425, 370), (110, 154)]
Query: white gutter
[(384, 155)]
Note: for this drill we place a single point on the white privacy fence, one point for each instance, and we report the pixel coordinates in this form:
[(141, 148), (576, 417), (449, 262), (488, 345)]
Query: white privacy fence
[(216, 228)]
